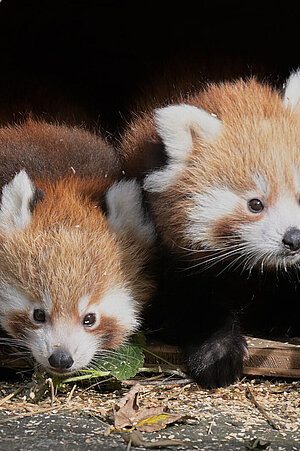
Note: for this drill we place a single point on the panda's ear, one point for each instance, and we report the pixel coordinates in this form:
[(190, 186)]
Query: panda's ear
[(16, 203), (291, 95), (126, 214), (178, 126)]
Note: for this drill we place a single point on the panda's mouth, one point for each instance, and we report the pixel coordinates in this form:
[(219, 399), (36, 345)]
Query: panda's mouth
[(60, 372)]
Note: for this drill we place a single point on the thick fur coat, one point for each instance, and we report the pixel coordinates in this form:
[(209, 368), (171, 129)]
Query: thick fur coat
[(225, 197), (74, 245)]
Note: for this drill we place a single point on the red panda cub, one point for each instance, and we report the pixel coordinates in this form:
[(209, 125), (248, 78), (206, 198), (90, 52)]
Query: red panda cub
[(226, 200), (73, 277)]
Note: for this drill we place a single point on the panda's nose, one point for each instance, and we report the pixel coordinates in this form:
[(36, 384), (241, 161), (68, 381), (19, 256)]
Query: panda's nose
[(61, 360), (291, 239)]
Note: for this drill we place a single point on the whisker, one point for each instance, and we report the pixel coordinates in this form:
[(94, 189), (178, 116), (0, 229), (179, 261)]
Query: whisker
[(230, 264), (233, 239), (210, 262)]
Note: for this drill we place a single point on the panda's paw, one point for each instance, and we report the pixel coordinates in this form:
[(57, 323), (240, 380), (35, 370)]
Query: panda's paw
[(217, 361)]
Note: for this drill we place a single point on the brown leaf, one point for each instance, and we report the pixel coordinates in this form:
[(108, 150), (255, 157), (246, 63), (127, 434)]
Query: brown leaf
[(135, 439), (126, 409), (149, 419)]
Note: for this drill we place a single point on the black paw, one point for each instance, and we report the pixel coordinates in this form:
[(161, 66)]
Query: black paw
[(217, 361)]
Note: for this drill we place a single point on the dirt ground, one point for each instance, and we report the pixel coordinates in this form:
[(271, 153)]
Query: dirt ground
[(252, 414)]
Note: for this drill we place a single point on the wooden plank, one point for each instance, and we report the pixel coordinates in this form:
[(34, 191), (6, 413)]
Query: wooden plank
[(266, 357), (273, 358)]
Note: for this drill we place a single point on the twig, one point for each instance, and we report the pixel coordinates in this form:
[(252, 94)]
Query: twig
[(211, 424), (71, 394), (8, 397), (94, 385), (251, 397), (159, 369), (50, 382), (158, 383)]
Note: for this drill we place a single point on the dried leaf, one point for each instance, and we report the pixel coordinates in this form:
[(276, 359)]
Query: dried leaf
[(149, 419), (126, 409), (136, 439)]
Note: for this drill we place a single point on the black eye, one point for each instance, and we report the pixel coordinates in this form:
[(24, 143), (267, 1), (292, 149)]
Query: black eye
[(255, 205), (39, 315), (89, 319)]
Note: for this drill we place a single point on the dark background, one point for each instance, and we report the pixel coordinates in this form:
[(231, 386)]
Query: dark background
[(99, 56)]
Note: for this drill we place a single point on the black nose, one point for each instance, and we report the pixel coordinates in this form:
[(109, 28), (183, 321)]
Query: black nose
[(291, 239), (60, 359)]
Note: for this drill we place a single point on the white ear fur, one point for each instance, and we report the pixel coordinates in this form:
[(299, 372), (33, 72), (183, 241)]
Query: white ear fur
[(292, 91), (125, 211), (177, 125), (15, 203)]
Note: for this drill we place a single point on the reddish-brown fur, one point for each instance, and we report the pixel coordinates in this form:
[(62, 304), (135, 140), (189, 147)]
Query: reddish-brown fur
[(53, 151), (67, 251), (67, 208), (254, 118), (111, 331), (201, 199), (18, 323)]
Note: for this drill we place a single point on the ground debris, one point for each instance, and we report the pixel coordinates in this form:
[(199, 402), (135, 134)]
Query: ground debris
[(127, 413), (257, 443), (252, 398), (220, 417)]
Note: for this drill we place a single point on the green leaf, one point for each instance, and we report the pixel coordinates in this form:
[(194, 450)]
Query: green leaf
[(123, 363)]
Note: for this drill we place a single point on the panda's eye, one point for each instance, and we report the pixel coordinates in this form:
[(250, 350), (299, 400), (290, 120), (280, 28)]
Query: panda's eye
[(39, 315), (255, 205), (89, 320)]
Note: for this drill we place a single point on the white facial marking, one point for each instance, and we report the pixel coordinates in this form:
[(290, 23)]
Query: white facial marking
[(265, 236), (262, 184), (292, 91), (215, 204), (75, 339), (296, 175), (82, 304), (176, 125), (79, 344), (47, 301), (72, 337), (119, 304), (261, 240), (16, 196), (125, 211)]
